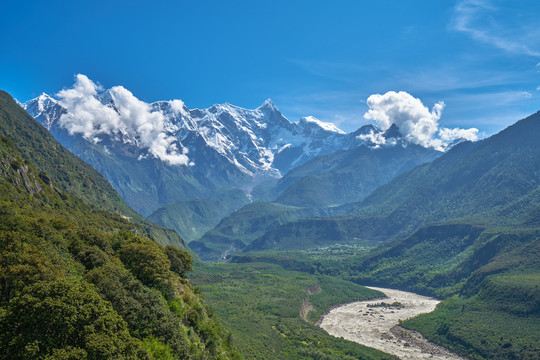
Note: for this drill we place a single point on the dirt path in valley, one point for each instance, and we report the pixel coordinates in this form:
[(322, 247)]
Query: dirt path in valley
[(377, 326)]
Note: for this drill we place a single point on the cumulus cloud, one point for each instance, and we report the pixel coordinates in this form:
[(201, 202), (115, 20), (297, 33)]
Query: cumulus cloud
[(125, 115), (449, 135), (415, 121)]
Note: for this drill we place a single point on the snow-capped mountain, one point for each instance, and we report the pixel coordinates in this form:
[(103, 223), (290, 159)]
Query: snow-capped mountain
[(257, 142), (163, 152), (45, 109)]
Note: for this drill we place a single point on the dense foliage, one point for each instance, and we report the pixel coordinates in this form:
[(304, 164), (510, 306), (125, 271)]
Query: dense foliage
[(121, 289), (63, 318), (58, 165), (479, 329)]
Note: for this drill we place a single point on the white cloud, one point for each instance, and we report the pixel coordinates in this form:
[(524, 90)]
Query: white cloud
[(130, 117), (415, 121), (449, 135), (178, 106), (377, 139)]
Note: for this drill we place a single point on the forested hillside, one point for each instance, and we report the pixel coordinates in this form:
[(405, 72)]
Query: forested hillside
[(79, 279), (272, 311), (66, 170)]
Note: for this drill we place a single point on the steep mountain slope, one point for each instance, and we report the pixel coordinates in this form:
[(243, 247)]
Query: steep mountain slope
[(66, 170), (349, 175), (193, 218), (70, 173), (80, 281)]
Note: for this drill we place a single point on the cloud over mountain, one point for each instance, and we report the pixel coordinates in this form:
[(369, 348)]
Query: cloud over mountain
[(415, 121), (86, 114)]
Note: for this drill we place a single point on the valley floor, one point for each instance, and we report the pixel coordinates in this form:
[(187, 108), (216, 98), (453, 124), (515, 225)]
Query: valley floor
[(375, 323)]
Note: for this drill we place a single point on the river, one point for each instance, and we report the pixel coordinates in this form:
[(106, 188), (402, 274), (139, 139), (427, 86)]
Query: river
[(368, 323)]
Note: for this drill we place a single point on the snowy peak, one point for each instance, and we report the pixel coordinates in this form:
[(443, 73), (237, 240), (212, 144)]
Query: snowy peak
[(268, 105), (365, 129), (43, 102), (253, 142), (45, 109), (312, 121), (373, 137)]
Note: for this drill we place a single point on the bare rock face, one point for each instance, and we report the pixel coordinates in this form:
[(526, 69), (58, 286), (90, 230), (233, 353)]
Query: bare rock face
[(16, 171)]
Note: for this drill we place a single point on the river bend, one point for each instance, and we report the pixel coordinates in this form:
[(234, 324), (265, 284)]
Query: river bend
[(368, 323)]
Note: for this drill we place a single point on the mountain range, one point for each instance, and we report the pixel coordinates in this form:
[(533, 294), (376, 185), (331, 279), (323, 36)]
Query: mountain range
[(226, 144), (166, 160), (493, 182)]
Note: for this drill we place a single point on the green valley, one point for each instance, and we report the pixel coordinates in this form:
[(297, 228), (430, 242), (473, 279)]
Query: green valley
[(271, 312), (193, 218)]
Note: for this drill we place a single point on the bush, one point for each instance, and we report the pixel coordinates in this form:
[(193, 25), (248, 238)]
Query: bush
[(147, 262), (181, 261), (145, 311), (64, 317)]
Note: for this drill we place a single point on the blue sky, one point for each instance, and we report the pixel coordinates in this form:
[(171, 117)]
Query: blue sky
[(481, 58)]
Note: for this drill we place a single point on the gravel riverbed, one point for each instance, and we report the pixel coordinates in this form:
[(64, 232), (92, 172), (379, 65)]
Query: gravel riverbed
[(375, 325)]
